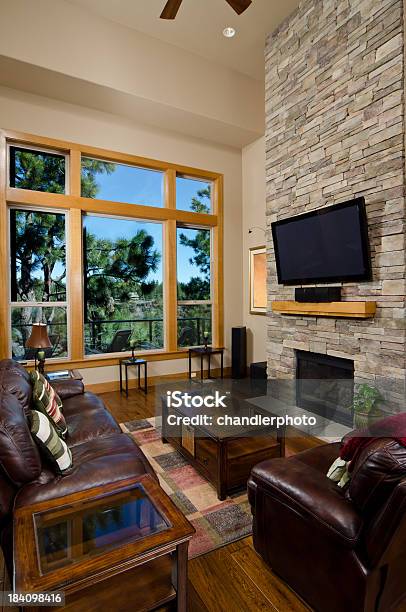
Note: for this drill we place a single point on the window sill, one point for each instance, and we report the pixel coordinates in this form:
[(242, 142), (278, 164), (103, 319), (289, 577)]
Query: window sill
[(109, 360)]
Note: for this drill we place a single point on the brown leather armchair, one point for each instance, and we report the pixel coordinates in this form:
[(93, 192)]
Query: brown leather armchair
[(340, 550), (101, 453)]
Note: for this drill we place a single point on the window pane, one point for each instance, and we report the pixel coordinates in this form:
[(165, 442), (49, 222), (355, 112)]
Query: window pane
[(22, 319), (193, 263), (193, 321), (37, 170), (193, 194), (123, 285), (38, 256), (121, 183)]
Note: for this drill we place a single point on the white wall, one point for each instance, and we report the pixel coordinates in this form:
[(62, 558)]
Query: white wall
[(46, 117), (253, 207)]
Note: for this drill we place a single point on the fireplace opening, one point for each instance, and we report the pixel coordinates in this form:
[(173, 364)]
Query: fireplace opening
[(325, 386)]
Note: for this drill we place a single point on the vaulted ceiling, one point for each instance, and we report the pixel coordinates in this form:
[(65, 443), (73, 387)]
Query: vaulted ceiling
[(199, 24)]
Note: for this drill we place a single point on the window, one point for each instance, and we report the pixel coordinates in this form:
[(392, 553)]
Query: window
[(37, 170), (123, 285), (193, 286), (38, 280), (134, 261), (193, 194), (121, 183)]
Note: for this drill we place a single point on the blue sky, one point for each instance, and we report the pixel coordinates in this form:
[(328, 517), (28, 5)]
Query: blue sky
[(141, 186)]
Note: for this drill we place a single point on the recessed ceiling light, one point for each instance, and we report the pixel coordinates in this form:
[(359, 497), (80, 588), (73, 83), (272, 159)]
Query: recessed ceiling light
[(229, 32)]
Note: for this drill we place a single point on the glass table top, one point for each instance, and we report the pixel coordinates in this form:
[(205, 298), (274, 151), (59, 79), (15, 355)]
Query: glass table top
[(71, 533)]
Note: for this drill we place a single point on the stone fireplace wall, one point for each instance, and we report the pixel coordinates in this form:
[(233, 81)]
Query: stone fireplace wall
[(334, 131)]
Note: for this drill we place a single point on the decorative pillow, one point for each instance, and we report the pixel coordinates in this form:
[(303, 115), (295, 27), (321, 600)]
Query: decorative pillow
[(47, 401), (338, 472), (47, 438)]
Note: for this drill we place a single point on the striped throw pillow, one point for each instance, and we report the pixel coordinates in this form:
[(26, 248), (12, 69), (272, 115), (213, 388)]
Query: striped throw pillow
[(47, 438), (47, 401)]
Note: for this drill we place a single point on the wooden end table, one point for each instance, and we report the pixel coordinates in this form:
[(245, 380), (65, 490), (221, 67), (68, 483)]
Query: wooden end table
[(202, 351), (129, 362), (124, 542), (71, 375)]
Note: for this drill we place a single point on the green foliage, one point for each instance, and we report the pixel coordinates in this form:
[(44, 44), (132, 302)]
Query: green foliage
[(202, 203), (39, 256), (39, 171), (198, 288), (46, 172), (366, 398), (117, 271), (193, 321)]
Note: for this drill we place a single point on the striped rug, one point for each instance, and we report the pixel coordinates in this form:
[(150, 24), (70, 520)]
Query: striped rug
[(217, 523)]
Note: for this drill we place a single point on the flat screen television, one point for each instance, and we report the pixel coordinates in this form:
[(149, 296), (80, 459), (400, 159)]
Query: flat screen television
[(323, 246)]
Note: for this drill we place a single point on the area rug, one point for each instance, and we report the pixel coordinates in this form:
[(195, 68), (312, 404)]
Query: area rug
[(217, 523)]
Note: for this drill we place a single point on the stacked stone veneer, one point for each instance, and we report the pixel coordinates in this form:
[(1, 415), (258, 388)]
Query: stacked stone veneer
[(334, 131)]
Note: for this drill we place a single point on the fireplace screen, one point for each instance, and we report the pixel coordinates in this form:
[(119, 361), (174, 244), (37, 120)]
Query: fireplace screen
[(325, 386)]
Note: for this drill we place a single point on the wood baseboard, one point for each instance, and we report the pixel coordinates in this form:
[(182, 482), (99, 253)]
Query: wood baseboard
[(114, 385)]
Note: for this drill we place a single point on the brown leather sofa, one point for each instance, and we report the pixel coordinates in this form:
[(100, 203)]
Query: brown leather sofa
[(340, 550), (101, 452)]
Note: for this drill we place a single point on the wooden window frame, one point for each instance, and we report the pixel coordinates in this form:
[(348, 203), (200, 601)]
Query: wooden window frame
[(75, 205), (61, 304)]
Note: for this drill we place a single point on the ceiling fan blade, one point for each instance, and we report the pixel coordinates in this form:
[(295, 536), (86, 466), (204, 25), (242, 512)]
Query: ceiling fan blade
[(239, 5), (171, 9)]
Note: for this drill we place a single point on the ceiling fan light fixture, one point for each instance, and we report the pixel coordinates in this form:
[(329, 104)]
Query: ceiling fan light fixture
[(229, 32)]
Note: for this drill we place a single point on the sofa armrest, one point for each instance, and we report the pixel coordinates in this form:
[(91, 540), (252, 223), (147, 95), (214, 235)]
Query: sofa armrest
[(292, 485), (68, 388)]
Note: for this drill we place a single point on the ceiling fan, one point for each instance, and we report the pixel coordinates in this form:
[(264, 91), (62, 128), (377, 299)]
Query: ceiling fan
[(172, 6)]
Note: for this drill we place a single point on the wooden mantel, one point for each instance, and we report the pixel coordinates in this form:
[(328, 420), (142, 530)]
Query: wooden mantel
[(353, 310)]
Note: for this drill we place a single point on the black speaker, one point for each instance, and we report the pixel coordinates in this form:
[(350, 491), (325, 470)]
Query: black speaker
[(239, 352), (318, 294)]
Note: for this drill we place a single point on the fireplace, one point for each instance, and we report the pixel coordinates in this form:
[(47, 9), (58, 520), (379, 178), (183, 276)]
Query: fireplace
[(325, 386)]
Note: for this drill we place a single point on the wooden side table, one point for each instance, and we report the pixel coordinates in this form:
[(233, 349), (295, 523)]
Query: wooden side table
[(123, 543), (201, 351), (127, 363)]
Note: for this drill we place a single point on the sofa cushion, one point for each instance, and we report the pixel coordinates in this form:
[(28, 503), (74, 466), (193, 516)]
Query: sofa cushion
[(68, 388), (379, 468), (54, 449), (87, 418), (95, 463), (46, 400), (19, 456), (306, 491), (15, 379), (92, 423)]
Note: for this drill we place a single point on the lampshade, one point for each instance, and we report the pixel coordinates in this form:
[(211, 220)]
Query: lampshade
[(39, 337)]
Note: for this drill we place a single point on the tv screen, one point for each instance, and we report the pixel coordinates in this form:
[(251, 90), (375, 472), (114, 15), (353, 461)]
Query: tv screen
[(326, 245)]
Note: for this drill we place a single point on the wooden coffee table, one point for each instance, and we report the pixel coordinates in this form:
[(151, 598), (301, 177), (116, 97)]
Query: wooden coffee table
[(118, 547), (223, 455)]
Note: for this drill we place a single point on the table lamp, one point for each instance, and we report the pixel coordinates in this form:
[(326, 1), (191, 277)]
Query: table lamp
[(39, 340)]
